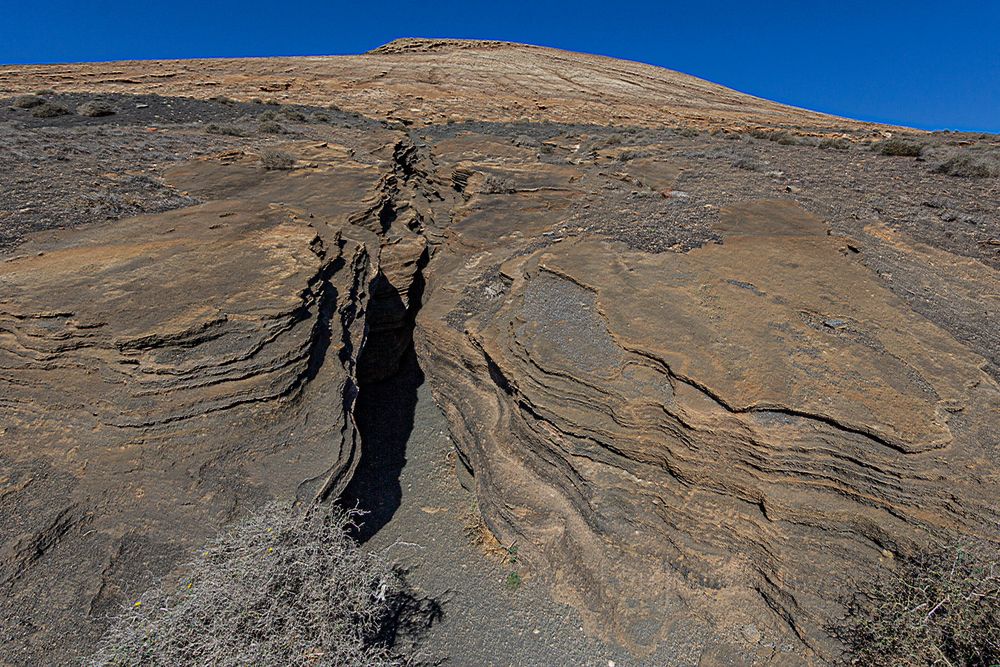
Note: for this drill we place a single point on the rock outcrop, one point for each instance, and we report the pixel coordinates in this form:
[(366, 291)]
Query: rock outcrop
[(695, 412), (164, 376)]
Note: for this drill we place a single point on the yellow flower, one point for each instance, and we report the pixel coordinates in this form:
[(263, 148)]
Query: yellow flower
[(138, 604)]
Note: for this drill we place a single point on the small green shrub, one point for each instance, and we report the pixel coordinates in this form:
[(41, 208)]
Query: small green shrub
[(275, 159), (940, 607), (50, 110), (898, 148)]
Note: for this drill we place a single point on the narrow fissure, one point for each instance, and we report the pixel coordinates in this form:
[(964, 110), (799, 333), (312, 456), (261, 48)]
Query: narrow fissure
[(389, 375)]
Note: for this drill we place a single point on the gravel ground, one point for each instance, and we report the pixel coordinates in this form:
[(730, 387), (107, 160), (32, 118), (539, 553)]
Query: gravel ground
[(109, 167)]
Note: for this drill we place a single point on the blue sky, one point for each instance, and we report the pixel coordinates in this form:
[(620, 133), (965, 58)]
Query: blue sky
[(932, 65)]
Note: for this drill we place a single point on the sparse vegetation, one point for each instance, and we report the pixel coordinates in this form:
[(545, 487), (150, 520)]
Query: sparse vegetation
[(228, 130), (50, 110), (280, 588), (970, 166), (95, 108), (275, 159), (898, 148), (940, 607), (271, 127), (27, 101), (687, 132), (746, 162), (782, 137), (293, 115), (835, 143), (497, 185)]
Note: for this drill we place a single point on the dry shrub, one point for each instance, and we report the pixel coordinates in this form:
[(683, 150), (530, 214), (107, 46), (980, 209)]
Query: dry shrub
[(836, 143), (271, 127), (275, 159), (898, 148), (480, 535), (95, 109), (279, 588), (225, 129), (747, 163), (494, 184), (970, 166), (49, 110), (940, 607), (27, 102)]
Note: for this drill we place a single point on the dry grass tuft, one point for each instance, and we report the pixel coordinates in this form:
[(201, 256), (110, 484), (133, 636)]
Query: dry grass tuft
[(481, 536), (280, 588)]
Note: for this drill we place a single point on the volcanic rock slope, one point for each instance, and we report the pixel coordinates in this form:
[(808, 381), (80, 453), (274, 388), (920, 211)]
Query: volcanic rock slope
[(700, 398)]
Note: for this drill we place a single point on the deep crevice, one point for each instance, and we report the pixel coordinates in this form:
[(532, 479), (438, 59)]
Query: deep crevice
[(384, 412)]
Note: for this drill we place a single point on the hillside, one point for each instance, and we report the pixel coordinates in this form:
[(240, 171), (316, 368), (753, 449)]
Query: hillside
[(434, 81), (706, 363)]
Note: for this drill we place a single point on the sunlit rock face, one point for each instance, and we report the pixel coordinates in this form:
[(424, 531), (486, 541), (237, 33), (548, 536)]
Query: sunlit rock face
[(697, 400)]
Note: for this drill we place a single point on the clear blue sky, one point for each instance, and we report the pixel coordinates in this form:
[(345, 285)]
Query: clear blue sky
[(931, 65)]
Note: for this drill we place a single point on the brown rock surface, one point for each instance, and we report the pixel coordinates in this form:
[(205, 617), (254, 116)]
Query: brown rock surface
[(696, 402)]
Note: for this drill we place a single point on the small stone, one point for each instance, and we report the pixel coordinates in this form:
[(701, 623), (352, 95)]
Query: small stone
[(751, 633)]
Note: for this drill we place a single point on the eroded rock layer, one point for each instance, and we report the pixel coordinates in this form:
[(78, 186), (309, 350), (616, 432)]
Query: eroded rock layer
[(161, 377), (739, 428), (703, 401)]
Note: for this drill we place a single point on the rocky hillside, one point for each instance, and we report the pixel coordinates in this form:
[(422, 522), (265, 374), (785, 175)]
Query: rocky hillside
[(708, 361)]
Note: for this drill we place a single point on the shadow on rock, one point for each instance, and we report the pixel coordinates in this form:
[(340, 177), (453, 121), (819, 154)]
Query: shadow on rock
[(384, 416)]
